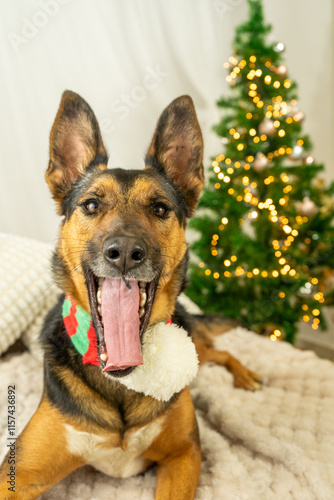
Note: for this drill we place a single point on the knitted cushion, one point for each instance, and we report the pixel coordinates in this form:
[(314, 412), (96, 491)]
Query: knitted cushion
[(26, 289)]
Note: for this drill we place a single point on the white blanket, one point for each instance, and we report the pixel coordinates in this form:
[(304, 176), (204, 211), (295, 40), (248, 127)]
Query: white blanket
[(277, 443)]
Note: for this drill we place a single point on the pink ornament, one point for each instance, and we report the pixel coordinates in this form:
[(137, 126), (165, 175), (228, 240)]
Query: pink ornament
[(299, 117), (307, 207), (260, 162), (281, 70), (267, 127)]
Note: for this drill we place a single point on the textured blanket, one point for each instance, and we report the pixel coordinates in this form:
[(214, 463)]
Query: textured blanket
[(277, 443)]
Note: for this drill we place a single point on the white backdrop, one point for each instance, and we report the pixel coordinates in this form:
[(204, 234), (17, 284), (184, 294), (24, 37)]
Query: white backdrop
[(129, 59)]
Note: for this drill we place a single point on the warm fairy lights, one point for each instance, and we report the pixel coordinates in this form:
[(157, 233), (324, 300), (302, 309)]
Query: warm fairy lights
[(277, 115), (269, 205), (253, 215)]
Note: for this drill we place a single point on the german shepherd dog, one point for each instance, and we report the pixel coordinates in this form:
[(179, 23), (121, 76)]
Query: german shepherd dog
[(121, 260)]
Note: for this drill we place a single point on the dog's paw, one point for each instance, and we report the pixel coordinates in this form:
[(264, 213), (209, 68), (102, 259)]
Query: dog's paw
[(246, 379)]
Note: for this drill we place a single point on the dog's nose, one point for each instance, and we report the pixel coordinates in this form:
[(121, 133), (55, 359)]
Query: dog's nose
[(124, 252)]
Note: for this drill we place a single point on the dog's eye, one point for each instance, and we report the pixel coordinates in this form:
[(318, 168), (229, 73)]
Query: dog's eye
[(160, 209), (91, 206)]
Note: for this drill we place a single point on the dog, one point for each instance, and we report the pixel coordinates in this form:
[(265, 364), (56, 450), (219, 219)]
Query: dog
[(121, 262)]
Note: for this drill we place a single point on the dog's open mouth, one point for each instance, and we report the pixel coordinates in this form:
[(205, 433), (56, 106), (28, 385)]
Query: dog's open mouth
[(121, 311)]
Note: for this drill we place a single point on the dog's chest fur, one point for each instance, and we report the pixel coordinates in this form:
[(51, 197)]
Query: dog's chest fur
[(109, 455)]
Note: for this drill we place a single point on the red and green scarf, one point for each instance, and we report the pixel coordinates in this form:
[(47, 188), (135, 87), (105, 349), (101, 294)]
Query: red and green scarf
[(79, 326)]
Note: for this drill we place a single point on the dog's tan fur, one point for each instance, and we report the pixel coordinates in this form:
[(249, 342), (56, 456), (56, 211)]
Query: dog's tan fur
[(55, 442)]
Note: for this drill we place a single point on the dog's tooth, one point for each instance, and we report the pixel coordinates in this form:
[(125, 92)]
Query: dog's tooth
[(101, 280), (143, 298), (141, 312), (99, 296), (99, 310), (103, 351), (142, 284)]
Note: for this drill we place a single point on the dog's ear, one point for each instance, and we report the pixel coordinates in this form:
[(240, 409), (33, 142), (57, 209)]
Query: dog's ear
[(177, 149), (75, 142)]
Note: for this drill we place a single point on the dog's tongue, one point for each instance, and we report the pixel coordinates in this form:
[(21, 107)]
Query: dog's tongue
[(120, 303)]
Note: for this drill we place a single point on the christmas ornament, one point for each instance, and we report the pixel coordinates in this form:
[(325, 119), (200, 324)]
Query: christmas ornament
[(307, 207), (296, 114), (319, 183), (327, 204), (299, 116), (329, 279), (297, 152), (281, 70), (260, 162), (303, 248), (267, 127), (279, 47), (241, 130)]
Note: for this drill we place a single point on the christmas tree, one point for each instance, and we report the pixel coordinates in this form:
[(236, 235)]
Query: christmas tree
[(265, 220)]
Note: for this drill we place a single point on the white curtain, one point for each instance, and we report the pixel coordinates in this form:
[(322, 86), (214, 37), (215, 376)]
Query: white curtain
[(129, 59)]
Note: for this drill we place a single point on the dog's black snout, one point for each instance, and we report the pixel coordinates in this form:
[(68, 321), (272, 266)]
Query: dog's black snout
[(124, 252)]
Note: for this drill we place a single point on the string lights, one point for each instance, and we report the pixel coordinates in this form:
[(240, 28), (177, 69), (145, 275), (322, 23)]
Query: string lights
[(254, 198)]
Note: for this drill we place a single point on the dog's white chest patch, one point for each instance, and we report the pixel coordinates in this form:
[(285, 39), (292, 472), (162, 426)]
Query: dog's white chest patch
[(114, 461)]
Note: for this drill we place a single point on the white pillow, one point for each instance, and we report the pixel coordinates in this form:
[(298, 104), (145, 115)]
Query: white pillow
[(26, 289)]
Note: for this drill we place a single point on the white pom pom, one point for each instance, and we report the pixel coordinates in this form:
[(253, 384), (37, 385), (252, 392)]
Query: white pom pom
[(170, 363)]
